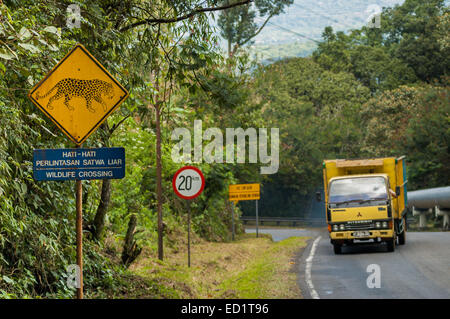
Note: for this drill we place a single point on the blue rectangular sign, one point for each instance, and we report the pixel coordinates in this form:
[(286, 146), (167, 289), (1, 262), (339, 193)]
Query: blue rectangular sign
[(79, 163)]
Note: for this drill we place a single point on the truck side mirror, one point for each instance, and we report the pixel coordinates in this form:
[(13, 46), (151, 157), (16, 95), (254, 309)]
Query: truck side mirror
[(397, 190), (318, 196)]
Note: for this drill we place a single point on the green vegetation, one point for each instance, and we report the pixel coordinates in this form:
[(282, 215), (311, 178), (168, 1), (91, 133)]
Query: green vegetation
[(37, 236), (373, 92), (270, 274), (361, 95), (246, 268)]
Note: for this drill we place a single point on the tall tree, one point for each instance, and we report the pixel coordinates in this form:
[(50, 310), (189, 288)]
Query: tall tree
[(409, 47), (411, 32)]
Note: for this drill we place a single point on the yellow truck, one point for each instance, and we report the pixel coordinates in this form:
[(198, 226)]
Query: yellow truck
[(365, 201)]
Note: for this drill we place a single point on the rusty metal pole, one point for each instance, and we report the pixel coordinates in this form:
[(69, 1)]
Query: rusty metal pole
[(79, 227), (159, 197)]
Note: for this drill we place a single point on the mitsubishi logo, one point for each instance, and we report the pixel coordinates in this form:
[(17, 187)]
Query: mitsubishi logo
[(359, 214)]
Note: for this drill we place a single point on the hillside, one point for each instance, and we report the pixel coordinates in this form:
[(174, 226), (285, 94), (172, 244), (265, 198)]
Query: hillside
[(293, 33)]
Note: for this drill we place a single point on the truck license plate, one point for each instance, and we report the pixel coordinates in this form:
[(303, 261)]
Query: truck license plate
[(361, 234)]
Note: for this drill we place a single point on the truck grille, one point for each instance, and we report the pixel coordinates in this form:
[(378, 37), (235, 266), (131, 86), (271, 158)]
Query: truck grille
[(360, 226)]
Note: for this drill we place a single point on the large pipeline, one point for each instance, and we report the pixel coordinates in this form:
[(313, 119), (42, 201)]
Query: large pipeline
[(429, 198)]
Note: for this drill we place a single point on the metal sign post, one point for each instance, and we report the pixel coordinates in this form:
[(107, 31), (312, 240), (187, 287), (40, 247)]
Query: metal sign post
[(232, 221), (188, 183), (79, 231), (189, 233), (257, 221)]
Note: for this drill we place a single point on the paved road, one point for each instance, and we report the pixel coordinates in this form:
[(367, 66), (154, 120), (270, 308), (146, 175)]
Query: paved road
[(419, 269)]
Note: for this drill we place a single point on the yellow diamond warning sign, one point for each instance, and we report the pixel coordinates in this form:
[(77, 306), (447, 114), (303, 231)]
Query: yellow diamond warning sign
[(78, 94)]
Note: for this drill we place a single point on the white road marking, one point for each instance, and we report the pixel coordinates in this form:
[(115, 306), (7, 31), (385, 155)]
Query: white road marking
[(309, 260)]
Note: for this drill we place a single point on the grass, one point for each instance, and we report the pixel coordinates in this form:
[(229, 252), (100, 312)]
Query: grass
[(271, 275), (246, 268)]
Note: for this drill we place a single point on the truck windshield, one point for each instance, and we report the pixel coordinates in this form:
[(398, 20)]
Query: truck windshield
[(358, 191)]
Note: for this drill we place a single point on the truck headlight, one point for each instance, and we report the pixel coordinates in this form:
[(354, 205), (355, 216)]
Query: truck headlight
[(341, 227), (377, 225), (335, 228), (385, 224)]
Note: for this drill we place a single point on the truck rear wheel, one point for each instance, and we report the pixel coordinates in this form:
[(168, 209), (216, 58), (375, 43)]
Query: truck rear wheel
[(402, 237), (337, 249)]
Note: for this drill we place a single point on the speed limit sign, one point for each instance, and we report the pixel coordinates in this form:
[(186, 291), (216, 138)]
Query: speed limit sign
[(188, 182)]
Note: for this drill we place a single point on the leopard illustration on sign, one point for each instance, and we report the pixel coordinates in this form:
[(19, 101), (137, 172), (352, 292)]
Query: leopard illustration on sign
[(78, 94), (88, 89)]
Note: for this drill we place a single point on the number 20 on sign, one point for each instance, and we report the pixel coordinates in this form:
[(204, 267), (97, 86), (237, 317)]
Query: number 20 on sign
[(188, 182)]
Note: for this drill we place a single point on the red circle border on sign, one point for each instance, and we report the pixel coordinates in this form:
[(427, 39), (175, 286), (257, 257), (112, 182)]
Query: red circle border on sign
[(178, 173)]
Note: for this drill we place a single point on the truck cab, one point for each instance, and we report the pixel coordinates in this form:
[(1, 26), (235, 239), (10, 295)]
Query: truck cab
[(363, 204)]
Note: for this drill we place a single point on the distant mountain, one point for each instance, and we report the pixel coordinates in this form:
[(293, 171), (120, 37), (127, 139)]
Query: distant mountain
[(294, 33), (309, 18), (269, 53)]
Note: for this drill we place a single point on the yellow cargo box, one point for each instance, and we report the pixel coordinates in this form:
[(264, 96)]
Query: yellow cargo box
[(394, 168)]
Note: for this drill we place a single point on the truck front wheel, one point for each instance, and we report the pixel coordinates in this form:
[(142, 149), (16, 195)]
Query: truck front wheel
[(391, 244), (337, 249)]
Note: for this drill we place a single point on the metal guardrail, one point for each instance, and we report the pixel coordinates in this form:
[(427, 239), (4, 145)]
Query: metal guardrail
[(293, 221)]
